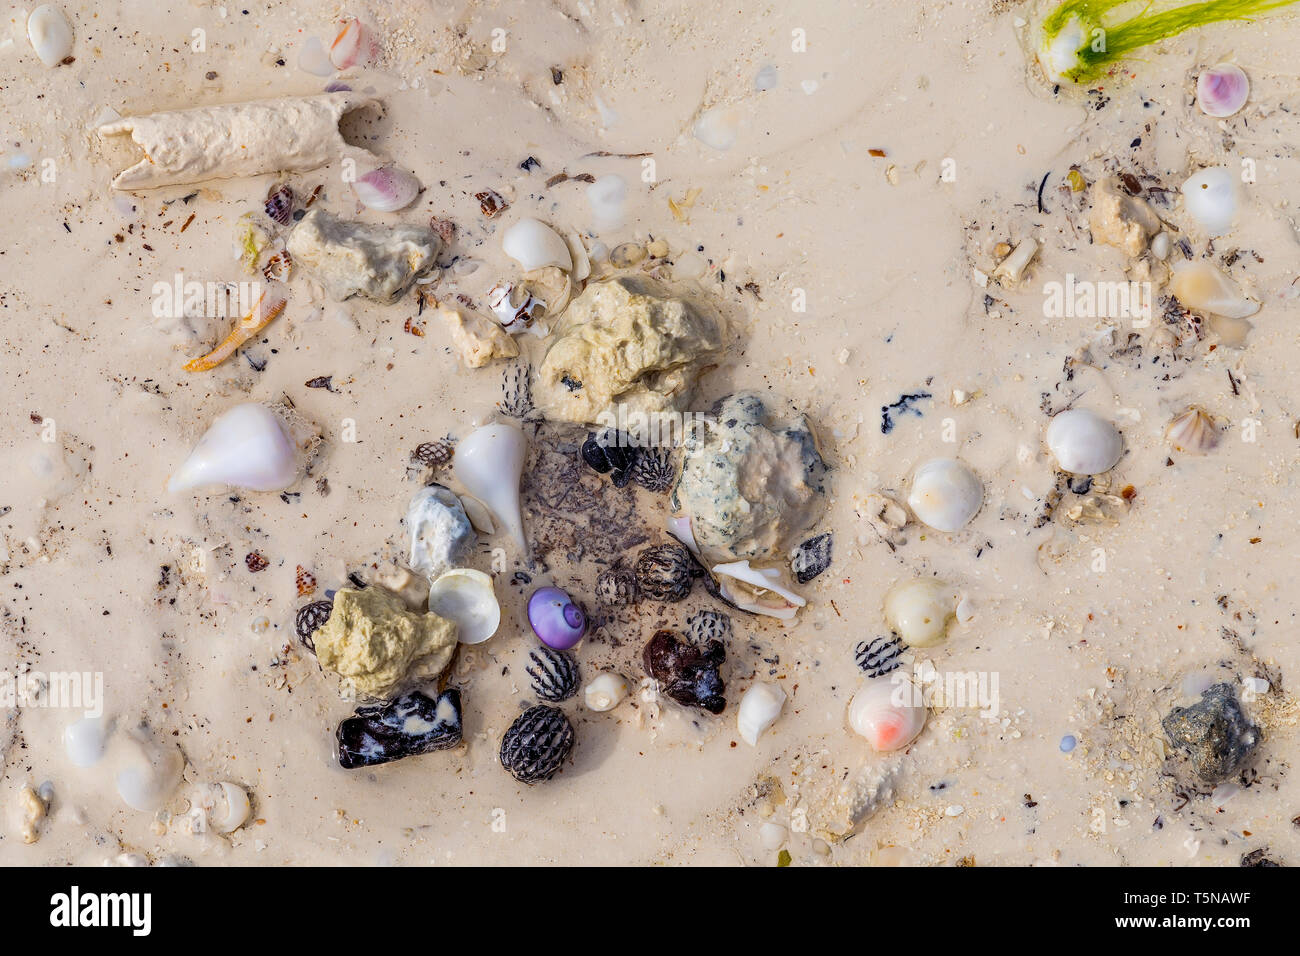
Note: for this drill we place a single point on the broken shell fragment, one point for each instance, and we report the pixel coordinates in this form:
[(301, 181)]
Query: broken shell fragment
[(386, 189), (246, 447), (514, 306), (355, 45), (1210, 198), (885, 715), (1084, 443), (945, 494), (757, 590), (466, 597), (225, 806), (50, 34), (919, 611), (1222, 90), (535, 245), (1013, 266), (441, 532), (264, 311), (1201, 287), (759, 708), (605, 692), (1194, 432), (489, 463)]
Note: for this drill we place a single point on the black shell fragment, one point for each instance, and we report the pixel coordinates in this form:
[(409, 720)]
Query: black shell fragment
[(309, 619), (686, 673), (537, 743), (608, 451), (811, 558), (554, 674), (411, 725), (879, 656)]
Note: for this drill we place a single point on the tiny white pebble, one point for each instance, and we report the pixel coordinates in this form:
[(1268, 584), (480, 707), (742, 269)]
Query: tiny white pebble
[(955, 810)]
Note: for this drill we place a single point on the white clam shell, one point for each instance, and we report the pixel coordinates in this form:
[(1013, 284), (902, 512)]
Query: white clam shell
[(765, 594), (489, 462), (150, 771), (246, 447), (225, 805), (466, 596), (605, 692), (86, 740), (759, 708), (1084, 443), (1210, 198), (478, 514), (1201, 287), (535, 245), (1194, 432), (386, 189), (50, 34), (945, 494), (885, 713), (919, 611), (440, 530)]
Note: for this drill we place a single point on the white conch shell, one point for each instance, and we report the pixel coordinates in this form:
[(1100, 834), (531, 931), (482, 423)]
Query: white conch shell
[(765, 594), (489, 462), (1201, 287), (759, 708), (466, 597), (535, 245), (246, 447), (884, 713), (224, 806)]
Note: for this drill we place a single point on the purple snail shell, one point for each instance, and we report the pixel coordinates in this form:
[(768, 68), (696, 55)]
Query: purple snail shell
[(555, 619)]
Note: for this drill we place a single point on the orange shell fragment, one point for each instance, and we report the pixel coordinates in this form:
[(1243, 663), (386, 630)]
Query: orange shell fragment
[(262, 314)]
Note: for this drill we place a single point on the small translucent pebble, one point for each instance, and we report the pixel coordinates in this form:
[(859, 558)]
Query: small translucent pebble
[(1068, 743), (605, 692), (313, 59), (607, 197), (50, 34), (772, 836), (149, 774), (1222, 90), (86, 741), (718, 128)]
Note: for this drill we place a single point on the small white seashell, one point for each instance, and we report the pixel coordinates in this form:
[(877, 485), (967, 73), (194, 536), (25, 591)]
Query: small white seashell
[(489, 462), (945, 494), (313, 59), (772, 835), (1201, 287), (386, 189), (1194, 432), (918, 611), (149, 773), (581, 261), (884, 712), (246, 447), (605, 692), (355, 45), (466, 596), (1084, 443), (440, 530), (607, 196), (50, 34), (759, 708), (1211, 199), (1222, 90), (679, 526), (86, 740), (718, 128), (535, 245), (1160, 245), (757, 590), (478, 514), (224, 805)]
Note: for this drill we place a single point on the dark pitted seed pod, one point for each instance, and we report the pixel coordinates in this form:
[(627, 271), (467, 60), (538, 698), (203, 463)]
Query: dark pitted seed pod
[(663, 572), (535, 746), (653, 470), (555, 674), (616, 587), (879, 656), (705, 626), (433, 454), (811, 558), (310, 618)]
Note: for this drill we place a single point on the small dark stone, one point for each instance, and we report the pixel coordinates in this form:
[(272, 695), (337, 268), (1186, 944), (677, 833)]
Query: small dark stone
[(705, 626), (663, 572), (609, 451), (310, 618), (537, 743), (1259, 857), (686, 673), (1214, 733), (879, 656), (811, 558), (554, 674), (380, 734)]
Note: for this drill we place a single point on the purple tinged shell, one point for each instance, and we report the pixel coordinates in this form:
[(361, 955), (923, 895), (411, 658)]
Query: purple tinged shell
[(555, 619), (1222, 90)]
